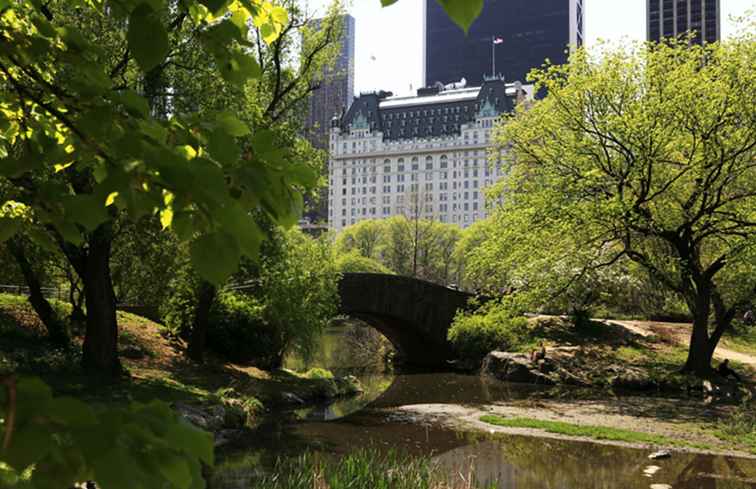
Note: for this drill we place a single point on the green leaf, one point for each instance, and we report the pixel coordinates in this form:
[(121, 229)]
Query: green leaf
[(228, 122), (215, 256), (148, 40), (223, 147), (216, 6), (237, 68), (176, 471), (462, 12), (134, 103), (8, 227), (87, 210)]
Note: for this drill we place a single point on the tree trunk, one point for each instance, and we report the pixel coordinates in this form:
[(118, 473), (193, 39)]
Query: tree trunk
[(198, 338), (100, 354), (56, 329), (701, 349)]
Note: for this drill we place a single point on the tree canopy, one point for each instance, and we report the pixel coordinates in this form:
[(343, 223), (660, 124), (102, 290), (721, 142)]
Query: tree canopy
[(645, 154)]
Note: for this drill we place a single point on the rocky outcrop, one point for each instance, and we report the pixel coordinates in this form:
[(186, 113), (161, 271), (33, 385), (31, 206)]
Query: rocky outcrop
[(517, 367), (226, 420)]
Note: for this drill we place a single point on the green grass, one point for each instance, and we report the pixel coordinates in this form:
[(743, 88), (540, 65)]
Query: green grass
[(364, 469), (595, 432), (740, 427), (741, 338)]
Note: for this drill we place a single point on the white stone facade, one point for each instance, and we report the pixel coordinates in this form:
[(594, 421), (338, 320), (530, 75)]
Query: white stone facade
[(439, 178)]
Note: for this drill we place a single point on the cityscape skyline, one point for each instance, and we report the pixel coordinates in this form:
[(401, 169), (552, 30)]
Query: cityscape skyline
[(526, 32), (386, 62)]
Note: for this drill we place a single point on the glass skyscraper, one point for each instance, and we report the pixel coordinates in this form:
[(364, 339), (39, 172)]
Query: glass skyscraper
[(531, 31), (336, 88), (669, 18)]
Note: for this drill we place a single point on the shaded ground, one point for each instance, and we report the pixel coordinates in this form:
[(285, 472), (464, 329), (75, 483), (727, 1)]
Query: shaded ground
[(156, 363)]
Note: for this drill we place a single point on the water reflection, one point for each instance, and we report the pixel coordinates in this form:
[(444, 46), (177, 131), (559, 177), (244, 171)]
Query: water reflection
[(506, 462), (347, 347)]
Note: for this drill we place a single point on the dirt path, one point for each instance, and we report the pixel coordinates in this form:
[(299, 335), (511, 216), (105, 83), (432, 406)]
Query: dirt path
[(679, 332)]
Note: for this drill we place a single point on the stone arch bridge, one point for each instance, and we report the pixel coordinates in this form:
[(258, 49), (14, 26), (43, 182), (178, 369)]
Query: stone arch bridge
[(414, 315)]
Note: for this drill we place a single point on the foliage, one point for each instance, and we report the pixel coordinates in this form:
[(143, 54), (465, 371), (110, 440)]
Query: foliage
[(255, 320), (412, 247), (240, 333), (143, 256), (86, 141), (353, 262), (305, 271), (492, 327), (643, 155), (58, 441), (177, 311)]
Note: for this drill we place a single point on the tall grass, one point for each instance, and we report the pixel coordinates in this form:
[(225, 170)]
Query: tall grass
[(365, 469)]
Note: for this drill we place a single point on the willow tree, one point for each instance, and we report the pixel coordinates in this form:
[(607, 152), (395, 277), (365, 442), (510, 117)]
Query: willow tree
[(645, 154)]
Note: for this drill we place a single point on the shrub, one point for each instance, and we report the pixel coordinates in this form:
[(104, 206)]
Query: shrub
[(353, 262), (177, 311), (239, 331), (474, 335)]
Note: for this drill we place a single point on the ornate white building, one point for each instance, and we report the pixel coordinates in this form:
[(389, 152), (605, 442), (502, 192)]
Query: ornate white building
[(424, 155)]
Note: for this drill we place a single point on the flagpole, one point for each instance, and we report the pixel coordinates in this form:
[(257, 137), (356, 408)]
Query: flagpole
[(493, 57)]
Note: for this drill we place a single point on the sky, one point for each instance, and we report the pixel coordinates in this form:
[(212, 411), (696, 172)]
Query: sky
[(388, 45)]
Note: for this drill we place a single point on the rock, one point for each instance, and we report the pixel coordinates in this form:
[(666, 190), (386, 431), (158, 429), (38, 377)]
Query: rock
[(660, 486), (513, 367), (132, 351), (209, 418), (632, 380), (348, 385), (224, 437), (651, 470), (660, 454), (291, 398)]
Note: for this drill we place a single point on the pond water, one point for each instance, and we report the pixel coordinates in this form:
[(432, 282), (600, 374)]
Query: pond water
[(506, 461)]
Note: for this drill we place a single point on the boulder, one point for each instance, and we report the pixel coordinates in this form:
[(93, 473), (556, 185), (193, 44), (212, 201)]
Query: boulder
[(291, 398), (514, 367), (660, 454), (632, 380), (209, 418)]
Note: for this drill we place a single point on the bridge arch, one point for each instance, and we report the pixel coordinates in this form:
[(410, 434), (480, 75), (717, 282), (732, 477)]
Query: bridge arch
[(414, 315)]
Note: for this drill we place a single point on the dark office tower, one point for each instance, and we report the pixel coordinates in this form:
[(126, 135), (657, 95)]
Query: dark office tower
[(527, 32), (670, 18), (335, 91)]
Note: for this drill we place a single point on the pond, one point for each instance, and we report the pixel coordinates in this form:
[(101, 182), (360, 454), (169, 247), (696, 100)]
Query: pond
[(373, 421)]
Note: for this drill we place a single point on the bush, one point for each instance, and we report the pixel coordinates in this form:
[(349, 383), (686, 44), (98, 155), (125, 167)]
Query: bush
[(177, 312), (353, 262), (239, 332), (474, 335)]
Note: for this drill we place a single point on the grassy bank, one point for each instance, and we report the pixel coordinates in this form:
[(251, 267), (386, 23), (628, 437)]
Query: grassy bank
[(597, 352), (156, 363), (569, 429)]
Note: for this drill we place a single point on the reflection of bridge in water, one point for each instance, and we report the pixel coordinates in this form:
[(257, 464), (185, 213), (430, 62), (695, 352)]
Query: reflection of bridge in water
[(413, 314)]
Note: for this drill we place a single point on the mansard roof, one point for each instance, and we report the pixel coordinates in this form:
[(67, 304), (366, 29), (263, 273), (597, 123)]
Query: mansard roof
[(435, 111)]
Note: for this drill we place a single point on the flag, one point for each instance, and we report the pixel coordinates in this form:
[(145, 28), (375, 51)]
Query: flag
[(498, 40)]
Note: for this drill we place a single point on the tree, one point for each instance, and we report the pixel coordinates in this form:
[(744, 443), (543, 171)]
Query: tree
[(646, 154), (86, 141), (363, 237)]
